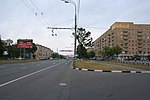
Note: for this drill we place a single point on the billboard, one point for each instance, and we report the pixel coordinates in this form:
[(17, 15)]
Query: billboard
[(24, 43), (66, 50)]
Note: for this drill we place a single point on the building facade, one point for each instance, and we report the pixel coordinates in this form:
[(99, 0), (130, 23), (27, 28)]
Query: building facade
[(43, 52), (89, 49), (134, 39)]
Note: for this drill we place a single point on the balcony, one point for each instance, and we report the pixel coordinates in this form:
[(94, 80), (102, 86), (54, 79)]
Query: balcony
[(140, 46), (140, 49), (139, 37), (140, 41)]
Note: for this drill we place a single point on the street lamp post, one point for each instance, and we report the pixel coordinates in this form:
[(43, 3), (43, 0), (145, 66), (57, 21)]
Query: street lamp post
[(75, 28)]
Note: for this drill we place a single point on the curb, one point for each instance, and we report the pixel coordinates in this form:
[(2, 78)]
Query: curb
[(108, 71), (112, 71)]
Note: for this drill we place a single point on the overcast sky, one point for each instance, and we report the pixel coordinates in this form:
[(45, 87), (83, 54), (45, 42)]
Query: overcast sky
[(29, 19)]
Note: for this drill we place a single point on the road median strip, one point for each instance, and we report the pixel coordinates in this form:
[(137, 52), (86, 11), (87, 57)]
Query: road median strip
[(87, 66)]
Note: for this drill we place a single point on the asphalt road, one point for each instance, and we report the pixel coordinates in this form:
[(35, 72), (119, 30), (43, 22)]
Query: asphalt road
[(56, 80)]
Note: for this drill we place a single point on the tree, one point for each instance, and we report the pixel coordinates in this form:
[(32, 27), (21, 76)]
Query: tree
[(105, 52), (91, 54), (55, 55), (13, 51), (1, 47), (108, 52), (117, 50), (85, 40), (81, 51)]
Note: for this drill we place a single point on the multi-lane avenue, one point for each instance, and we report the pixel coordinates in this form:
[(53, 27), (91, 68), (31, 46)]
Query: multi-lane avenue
[(56, 80)]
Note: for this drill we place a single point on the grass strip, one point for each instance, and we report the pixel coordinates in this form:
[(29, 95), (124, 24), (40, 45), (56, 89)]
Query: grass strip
[(130, 65), (95, 66)]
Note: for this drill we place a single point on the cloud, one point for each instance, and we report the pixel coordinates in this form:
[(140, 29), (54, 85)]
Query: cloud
[(18, 21)]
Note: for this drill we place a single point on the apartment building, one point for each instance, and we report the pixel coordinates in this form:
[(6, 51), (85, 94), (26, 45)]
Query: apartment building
[(43, 52), (89, 49), (134, 39)]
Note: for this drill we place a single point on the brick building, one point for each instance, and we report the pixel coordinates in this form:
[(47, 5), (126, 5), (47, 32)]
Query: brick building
[(43, 52), (134, 39), (90, 49)]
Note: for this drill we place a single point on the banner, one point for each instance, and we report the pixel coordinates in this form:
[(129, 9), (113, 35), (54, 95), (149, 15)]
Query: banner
[(24, 43)]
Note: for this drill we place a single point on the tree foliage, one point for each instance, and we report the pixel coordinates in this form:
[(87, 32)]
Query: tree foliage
[(14, 51), (1, 47), (85, 40), (108, 52), (117, 50), (81, 51), (90, 54)]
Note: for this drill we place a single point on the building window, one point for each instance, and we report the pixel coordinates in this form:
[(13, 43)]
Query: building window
[(139, 31), (125, 31)]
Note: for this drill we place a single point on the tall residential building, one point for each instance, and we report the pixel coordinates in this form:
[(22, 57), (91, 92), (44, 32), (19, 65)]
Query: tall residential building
[(43, 52), (90, 49), (134, 39)]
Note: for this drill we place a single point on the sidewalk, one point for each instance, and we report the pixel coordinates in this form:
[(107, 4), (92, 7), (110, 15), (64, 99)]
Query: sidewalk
[(120, 66)]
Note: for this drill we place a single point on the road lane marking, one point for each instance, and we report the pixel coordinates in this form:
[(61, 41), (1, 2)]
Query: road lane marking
[(3, 67), (62, 84), (17, 79), (23, 67)]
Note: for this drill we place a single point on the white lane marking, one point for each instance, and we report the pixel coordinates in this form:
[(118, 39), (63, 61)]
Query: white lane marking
[(23, 67), (3, 67), (62, 84), (17, 79)]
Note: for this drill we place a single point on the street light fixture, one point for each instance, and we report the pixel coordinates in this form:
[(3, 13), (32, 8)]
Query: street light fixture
[(75, 28)]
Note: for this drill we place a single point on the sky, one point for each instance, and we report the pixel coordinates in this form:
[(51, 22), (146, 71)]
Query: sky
[(29, 19)]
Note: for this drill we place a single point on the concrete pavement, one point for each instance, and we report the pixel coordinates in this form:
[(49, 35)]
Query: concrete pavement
[(61, 82)]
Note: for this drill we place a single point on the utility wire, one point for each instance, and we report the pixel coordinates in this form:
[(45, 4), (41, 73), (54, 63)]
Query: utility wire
[(35, 5), (94, 27), (63, 22), (29, 7), (39, 10)]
